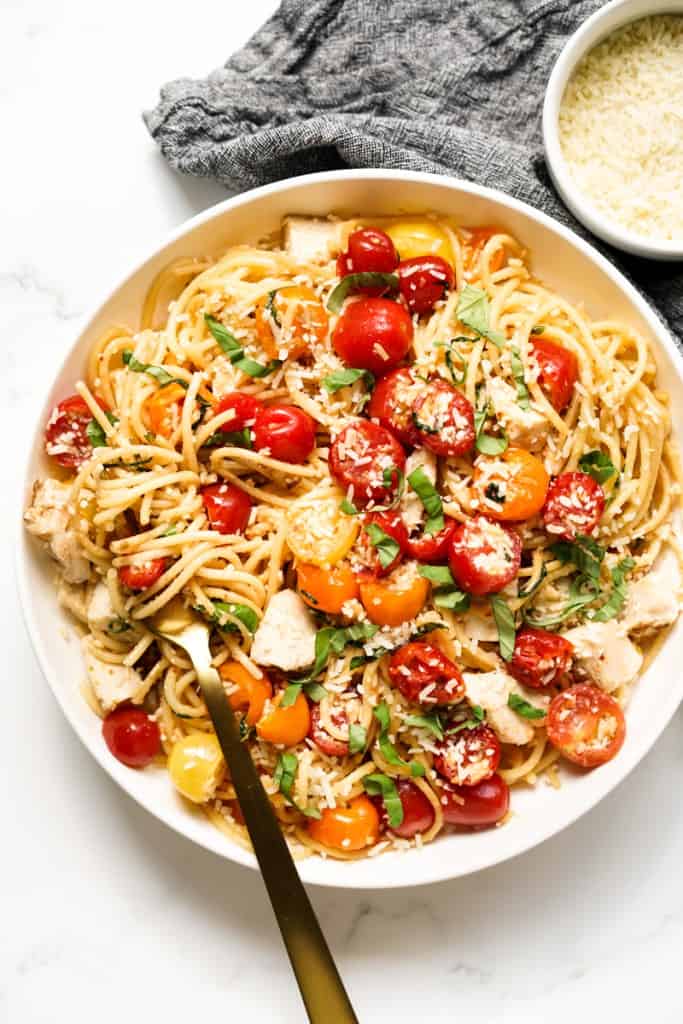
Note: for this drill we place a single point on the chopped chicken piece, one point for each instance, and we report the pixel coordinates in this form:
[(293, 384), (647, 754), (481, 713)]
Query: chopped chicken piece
[(603, 651), (412, 508), (285, 637), (113, 684), (311, 239), (100, 609), (72, 597), (47, 518), (491, 690), (524, 427), (653, 601), (479, 629)]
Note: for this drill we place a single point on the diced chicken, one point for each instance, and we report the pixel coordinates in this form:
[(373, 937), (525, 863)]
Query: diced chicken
[(311, 239), (100, 609), (603, 651), (68, 552), (524, 427), (47, 518), (653, 601), (479, 629), (491, 691), (113, 684), (285, 637), (412, 508), (72, 597)]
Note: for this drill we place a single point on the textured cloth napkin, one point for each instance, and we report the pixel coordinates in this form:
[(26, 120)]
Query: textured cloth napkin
[(449, 86)]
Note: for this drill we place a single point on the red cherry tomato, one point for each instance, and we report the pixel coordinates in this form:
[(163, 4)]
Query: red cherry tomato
[(366, 552), (373, 334), (423, 281), (392, 403), (586, 724), (132, 736), (227, 506), (574, 504), (370, 250), (432, 547), (143, 575), (244, 407), (66, 438), (286, 431), (444, 419), (469, 756), (558, 371), (359, 456), (484, 556), (321, 737), (475, 806), (540, 658), (418, 813), (420, 666)]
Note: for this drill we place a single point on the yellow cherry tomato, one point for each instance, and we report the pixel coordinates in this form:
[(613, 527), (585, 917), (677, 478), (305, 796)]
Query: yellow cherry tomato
[(196, 766), (326, 590), (418, 236), (317, 531), (512, 486), (162, 409), (251, 693), (390, 603), (349, 828), (287, 726), (290, 318)]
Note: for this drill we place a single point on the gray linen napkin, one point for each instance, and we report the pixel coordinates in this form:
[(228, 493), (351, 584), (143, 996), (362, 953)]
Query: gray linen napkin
[(449, 86)]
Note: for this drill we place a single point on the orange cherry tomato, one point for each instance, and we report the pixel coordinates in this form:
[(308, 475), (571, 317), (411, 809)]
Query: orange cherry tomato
[(288, 726), (353, 827), (390, 602), (290, 318), (251, 693), (478, 237), (326, 590), (162, 409), (512, 486)]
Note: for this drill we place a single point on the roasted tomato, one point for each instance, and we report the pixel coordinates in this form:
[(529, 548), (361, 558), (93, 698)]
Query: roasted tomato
[(324, 740), (349, 828), (558, 371), (287, 726), (373, 550), (392, 403), (444, 419), (432, 547), (477, 806), (66, 437), (418, 813), (540, 658), (484, 556), (318, 531), (424, 280), (469, 756), (289, 320), (370, 250), (373, 334), (419, 236), (227, 506), (394, 600), (142, 575), (366, 461), (574, 504), (244, 408), (285, 432), (327, 590), (587, 725), (132, 736), (512, 486), (423, 674), (163, 409), (247, 691)]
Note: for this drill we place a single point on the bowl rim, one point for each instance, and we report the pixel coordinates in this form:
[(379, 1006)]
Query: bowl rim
[(213, 839), (606, 20)]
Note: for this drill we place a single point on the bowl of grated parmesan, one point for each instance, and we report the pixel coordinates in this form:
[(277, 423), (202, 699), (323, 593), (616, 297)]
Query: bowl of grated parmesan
[(613, 126)]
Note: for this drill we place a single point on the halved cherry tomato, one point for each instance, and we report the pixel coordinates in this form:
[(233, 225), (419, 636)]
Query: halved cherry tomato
[(317, 530), (285, 431), (475, 806), (540, 658), (329, 744), (469, 756), (163, 408), (574, 504), (132, 736), (394, 600), (477, 239), (349, 828), (418, 813), (484, 556), (444, 419), (327, 590), (360, 456), (423, 673), (287, 726), (370, 250), (391, 524), (244, 408), (512, 486), (419, 236), (227, 506), (142, 575), (558, 371), (373, 334), (432, 547), (290, 320), (587, 725), (392, 403), (196, 766), (66, 438), (424, 281), (251, 693)]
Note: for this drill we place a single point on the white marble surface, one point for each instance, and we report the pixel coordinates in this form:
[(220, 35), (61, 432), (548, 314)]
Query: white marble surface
[(107, 916)]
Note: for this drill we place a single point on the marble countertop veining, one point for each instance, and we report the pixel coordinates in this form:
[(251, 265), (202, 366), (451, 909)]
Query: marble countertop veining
[(108, 916)]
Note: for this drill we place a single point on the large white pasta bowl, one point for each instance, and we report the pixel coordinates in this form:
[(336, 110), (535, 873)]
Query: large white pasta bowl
[(563, 261)]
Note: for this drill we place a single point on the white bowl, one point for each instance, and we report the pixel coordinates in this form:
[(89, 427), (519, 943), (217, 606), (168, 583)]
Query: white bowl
[(608, 19), (563, 261)]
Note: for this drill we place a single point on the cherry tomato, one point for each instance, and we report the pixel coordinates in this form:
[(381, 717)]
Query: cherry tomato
[(359, 457), (574, 504), (163, 409), (327, 590), (418, 813), (142, 575), (511, 486), (587, 725), (132, 736), (391, 602), (540, 658), (469, 756), (370, 250), (286, 431), (367, 554), (423, 281), (432, 547), (244, 408), (251, 693), (373, 334), (484, 556), (289, 725), (475, 806), (290, 320), (420, 236), (349, 828), (444, 419), (423, 674), (392, 404), (558, 371), (323, 739), (66, 438), (227, 506)]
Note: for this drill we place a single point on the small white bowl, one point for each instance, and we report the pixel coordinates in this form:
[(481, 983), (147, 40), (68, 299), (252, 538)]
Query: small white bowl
[(603, 23)]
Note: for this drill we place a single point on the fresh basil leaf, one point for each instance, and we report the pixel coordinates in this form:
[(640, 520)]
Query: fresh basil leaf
[(492, 492), (477, 713), (489, 444), (452, 598), (246, 731), (229, 344), (439, 574), (387, 748), (160, 375), (290, 695), (345, 378), (417, 769), (332, 640), (431, 501), (583, 551), (381, 713), (460, 376), (230, 439), (357, 738), (518, 374), (137, 465), (384, 786), (386, 547), (315, 692), (271, 311), (117, 625), (475, 716), (473, 311), (348, 508), (524, 708), (352, 282), (247, 616), (505, 623), (598, 465), (531, 589), (538, 329), (95, 433), (285, 772), (615, 602), (431, 722), (583, 591), (171, 531)]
